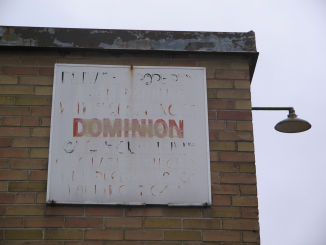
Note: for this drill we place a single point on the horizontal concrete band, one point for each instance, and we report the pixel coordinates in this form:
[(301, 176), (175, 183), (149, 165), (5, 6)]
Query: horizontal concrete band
[(181, 41)]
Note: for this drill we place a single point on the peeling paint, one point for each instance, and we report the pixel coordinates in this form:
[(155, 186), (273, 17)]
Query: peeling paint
[(128, 39)]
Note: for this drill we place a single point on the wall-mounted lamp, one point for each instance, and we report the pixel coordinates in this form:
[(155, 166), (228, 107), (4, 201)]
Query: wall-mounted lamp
[(292, 124)]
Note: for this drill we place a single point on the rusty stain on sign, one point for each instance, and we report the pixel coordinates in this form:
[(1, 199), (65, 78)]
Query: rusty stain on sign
[(138, 129)]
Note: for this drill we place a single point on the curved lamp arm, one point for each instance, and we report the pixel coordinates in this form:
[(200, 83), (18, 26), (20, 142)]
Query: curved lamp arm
[(292, 124)]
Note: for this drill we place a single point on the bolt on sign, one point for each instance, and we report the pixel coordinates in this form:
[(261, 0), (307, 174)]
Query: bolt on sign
[(129, 135)]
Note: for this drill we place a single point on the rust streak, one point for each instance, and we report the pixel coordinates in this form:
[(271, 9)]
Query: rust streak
[(101, 161), (61, 108), (92, 161), (95, 189), (118, 109), (78, 108), (73, 175), (112, 175), (110, 190)]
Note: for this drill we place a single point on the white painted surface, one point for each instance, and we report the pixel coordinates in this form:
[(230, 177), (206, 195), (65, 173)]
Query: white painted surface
[(136, 167)]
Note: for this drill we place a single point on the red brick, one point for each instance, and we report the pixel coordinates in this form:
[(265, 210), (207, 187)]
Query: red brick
[(241, 224), (28, 164), (232, 74), (216, 125), (41, 197), (13, 152), (7, 197), (84, 222), (104, 235), (41, 111), (46, 71), (231, 125), (44, 222), (211, 115), (242, 84), (144, 211), (237, 156), (45, 121), (240, 178), (5, 142), (31, 121), (221, 236), (219, 200), (38, 175), (13, 175), (14, 131), (4, 163), (220, 104), (248, 189), (213, 156), (249, 213), (225, 189), (104, 211), (14, 111), (25, 198), (11, 222), (3, 186), (64, 210), (31, 142), (20, 70), (123, 222), (152, 235), (11, 121), (234, 115), (251, 236)]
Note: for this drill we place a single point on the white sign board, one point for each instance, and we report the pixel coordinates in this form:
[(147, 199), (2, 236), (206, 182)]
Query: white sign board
[(129, 135)]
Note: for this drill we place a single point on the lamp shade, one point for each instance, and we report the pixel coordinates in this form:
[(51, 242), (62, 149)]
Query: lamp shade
[(292, 124)]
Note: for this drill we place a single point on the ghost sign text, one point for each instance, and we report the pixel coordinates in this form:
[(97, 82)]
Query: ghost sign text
[(129, 135)]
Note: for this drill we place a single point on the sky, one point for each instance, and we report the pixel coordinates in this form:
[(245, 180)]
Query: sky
[(291, 40)]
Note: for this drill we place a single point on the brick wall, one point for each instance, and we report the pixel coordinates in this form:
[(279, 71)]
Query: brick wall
[(26, 78)]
